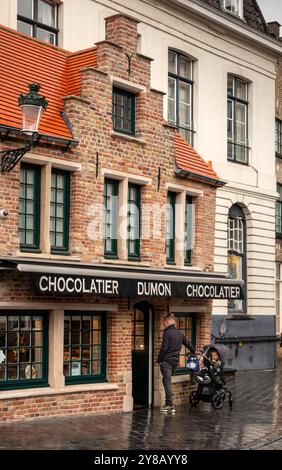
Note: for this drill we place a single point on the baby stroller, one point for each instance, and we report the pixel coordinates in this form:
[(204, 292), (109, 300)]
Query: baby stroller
[(211, 385)]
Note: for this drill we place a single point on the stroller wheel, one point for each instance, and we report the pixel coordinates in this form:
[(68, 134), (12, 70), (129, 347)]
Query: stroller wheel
[(216, 401), (193, 398)]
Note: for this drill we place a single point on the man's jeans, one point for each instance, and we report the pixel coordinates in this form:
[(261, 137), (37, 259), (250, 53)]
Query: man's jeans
[(167, 371)]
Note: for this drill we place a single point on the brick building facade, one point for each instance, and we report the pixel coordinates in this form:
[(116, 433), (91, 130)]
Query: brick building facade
[(66, 349)]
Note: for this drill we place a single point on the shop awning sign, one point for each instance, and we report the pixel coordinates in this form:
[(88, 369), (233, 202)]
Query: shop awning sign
[(63, 284)]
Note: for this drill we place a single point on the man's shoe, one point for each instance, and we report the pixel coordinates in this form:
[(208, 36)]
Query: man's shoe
[(165, 409)]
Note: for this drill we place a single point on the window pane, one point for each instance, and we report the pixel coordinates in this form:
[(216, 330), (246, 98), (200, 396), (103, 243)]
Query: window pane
[(241, 112), (185, 67), (189, 230), (172, 62), (85, 337), (29, 223), (59, 223), (170, 227), (111, 207), (185, 93), (184, 115), (25, 8), (133, 220), (230, 82), (241, 90), (24, 28), (184, 324), (237, 121), (19, 356), (180, 95), (46, 36), (123, 111), (46, 13), (232, 5)]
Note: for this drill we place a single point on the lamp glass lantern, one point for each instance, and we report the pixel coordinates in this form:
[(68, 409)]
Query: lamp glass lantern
[(33, 105)]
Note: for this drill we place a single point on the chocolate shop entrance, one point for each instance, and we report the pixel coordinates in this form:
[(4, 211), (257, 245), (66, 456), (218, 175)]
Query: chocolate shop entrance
[(142, 355)]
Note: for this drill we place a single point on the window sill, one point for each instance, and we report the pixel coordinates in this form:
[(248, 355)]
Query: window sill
[(128, 137), (47, 256), (35, 392), (175, 379), (237, 162), (126, 262), (183, 268)]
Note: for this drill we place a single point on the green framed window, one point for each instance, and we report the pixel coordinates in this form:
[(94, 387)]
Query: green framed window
[(170, 228), (278, 137), (133, 224), (180, 94), (278, 218), (60, 211), (123, 111), (186, 323), (111, 207), (29, 208), (237, 120), (84, 347), (39, 19), (189, 229), (23, 349)]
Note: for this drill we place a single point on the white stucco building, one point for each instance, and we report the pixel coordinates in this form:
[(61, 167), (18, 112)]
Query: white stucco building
[(230, 83)]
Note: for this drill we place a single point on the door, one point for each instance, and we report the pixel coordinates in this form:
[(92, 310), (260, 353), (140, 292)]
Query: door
[(142, 355)]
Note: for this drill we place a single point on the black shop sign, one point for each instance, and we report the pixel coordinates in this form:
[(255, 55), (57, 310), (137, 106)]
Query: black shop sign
[(53, 284)]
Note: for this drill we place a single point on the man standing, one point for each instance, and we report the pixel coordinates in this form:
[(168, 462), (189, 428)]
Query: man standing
[(168, 357)]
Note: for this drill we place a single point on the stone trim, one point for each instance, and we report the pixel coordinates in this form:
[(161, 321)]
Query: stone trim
[(130, 138), (44, 256), (123, 262), (55, 162), (178, 188), (35, 392), (127, 85), (180, 378), (120, 175)]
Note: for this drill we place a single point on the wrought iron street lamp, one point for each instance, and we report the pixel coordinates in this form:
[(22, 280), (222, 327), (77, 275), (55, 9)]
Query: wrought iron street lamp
[(33, 105)]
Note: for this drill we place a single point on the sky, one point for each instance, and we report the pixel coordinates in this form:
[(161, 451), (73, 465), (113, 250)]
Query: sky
[(272, 10)]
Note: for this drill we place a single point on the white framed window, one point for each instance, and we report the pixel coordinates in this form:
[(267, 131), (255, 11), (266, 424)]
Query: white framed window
[(237, 120), (234, 6), (180, 94), (39, 19)]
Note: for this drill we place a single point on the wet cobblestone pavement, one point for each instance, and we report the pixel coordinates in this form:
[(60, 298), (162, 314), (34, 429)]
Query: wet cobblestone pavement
[(255, 422)]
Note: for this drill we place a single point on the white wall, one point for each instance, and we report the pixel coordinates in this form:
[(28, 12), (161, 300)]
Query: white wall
[(8, 13), (260, 224)]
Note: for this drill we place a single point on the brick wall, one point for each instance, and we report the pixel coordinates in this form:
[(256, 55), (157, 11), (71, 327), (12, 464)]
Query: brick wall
[(91, 118), (80, 403)]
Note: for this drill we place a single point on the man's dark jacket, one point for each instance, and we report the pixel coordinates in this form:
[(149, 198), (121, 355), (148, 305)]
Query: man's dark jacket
[(171, 345)]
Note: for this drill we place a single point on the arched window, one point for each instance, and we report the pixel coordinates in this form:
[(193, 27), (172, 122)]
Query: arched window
[(237, 265)]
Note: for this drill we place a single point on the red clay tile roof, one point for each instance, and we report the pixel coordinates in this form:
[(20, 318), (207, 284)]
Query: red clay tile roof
[(26, 60), (190, 162), (76, 62)]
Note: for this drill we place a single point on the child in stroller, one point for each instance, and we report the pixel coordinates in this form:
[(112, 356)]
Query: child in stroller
[(209, 376)]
